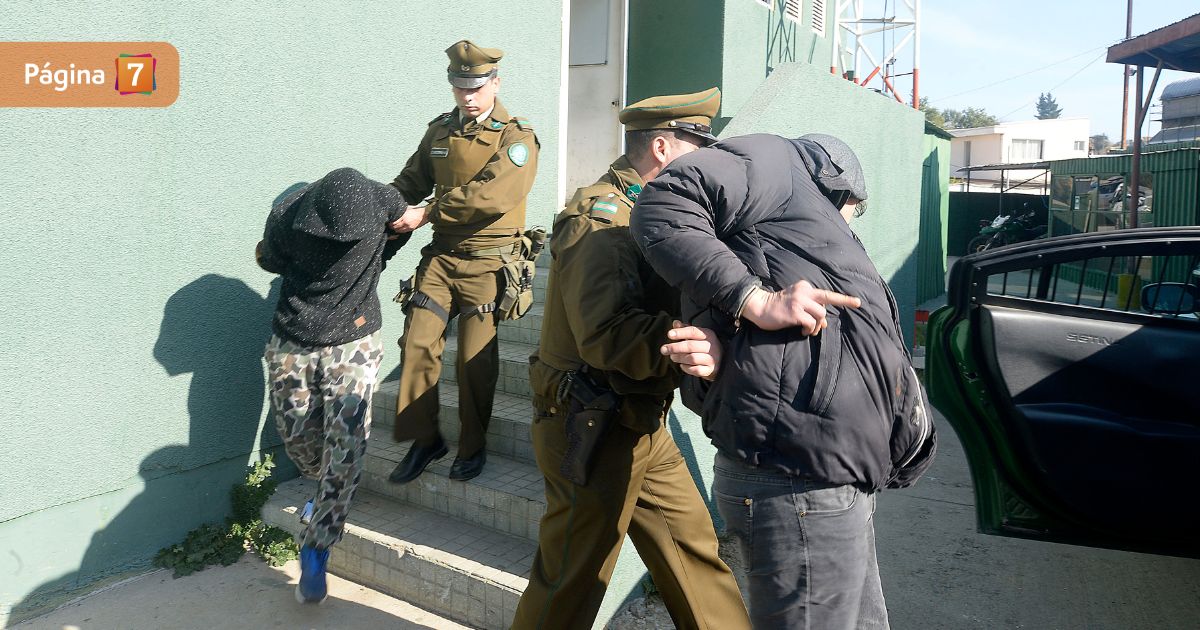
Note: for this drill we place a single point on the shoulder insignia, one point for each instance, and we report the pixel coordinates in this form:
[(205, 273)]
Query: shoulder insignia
[(518, 153), (441, 118), (604, 209), (523, 124)]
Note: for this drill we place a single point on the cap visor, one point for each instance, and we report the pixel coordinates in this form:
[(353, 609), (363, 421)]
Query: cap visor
[(708, 138), (468, 83)]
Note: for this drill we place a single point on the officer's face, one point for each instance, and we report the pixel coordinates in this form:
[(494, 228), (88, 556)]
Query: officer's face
[(474, 102)]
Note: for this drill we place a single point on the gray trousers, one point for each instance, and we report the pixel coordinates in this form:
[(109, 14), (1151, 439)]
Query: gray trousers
[(808, 549)]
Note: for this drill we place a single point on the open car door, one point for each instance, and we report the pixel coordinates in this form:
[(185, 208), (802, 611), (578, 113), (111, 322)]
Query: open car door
[(1070, 370)]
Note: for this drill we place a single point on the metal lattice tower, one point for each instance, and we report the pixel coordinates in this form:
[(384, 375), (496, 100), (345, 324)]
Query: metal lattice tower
[(882, 37)]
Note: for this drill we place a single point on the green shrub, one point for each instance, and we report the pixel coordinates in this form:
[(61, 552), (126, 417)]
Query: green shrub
[(224, 544)]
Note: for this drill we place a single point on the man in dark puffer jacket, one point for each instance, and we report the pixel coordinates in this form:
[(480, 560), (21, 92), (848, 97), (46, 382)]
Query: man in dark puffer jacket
[(814, 404)]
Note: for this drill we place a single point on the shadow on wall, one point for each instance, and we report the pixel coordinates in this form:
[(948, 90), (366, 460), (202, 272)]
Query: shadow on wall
[(214, 328)]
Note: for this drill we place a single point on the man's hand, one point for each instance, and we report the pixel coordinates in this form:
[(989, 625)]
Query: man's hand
[(801, 305), (413, 218), (696, 350)]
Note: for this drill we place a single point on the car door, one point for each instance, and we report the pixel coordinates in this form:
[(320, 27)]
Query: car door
[(1077, 405)]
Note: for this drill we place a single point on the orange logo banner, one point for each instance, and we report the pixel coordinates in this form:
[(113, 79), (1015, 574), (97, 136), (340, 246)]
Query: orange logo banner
[(88, 74)]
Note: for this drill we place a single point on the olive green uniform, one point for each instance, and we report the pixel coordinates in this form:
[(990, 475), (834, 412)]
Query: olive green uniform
[(480, 173), (605, 308)]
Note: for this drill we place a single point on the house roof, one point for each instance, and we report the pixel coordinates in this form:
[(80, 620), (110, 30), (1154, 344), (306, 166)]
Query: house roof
[(1180, 89), (1176, 45)]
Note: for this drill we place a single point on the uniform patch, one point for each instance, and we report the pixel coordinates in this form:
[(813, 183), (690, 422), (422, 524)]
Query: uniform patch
[(497, 124), (518, 153), (439, 152), (633, 191), (604, 206)]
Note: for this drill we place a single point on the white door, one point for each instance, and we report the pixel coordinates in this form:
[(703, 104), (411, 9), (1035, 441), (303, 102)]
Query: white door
[(595, 89)]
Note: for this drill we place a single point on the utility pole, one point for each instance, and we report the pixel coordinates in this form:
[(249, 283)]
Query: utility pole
[(1125, 97)]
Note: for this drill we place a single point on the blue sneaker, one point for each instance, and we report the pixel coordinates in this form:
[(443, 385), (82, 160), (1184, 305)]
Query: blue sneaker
[(306, 514), (312, 575)]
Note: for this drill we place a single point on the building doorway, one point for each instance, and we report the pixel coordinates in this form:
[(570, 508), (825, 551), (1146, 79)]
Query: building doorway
[(595, 89)]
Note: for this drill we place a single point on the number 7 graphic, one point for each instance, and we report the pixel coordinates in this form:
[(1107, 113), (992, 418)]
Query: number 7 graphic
[(131, 79)]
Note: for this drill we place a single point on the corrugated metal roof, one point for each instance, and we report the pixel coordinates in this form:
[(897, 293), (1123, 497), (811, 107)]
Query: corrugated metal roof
[(1175, 46), (1180, 89)]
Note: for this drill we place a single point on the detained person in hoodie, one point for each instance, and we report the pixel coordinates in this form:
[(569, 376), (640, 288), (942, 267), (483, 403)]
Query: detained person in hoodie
[(328, 241)]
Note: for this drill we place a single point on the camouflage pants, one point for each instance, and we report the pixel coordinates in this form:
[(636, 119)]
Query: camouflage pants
[(321, 402)]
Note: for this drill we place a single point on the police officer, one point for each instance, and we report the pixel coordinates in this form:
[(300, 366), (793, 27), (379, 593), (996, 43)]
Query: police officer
[(606, 316), (478, 162)]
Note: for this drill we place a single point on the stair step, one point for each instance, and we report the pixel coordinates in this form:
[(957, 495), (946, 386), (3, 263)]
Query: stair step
[(471, 574), (514, 366), (508, 432), (507, 497)]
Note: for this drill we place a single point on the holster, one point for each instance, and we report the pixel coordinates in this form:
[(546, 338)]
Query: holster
[(591, 410)]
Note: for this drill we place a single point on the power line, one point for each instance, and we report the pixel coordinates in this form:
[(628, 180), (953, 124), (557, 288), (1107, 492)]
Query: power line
[(1017, 76), (1060, 84)]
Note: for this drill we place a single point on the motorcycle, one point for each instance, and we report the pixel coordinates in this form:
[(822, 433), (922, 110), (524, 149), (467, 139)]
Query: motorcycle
[(1006, 230)]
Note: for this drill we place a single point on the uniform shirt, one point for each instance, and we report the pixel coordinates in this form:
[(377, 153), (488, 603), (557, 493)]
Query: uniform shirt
[(605, 306), (479, 173)]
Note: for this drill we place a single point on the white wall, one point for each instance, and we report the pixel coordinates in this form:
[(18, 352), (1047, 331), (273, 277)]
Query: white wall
[(994, 145)]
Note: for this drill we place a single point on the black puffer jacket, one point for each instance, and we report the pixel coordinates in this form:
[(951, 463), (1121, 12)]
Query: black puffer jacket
[(843, 406)]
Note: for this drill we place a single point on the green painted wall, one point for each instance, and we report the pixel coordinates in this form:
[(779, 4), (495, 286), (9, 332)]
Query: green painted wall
[(135, 316), (758, 40), (674, 47), (733, 44), (935, 211)]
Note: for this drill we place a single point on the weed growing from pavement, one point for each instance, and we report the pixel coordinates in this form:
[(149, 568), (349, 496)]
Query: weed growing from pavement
[(224, 544)]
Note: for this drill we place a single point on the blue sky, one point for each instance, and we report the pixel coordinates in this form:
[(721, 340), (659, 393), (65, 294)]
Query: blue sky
[(974, 44)]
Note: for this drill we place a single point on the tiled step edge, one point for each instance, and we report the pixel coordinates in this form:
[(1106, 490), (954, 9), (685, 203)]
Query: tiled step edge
[(509, 496), (467, 573)]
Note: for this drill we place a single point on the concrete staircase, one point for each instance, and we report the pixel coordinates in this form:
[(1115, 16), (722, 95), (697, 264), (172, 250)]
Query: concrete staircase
[(460, 549)]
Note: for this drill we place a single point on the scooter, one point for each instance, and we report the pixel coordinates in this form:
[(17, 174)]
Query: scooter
[(1006, 230)]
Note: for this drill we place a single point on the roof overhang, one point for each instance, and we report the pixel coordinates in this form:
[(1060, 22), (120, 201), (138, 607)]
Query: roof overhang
[(1176, 46), (1024, 166)]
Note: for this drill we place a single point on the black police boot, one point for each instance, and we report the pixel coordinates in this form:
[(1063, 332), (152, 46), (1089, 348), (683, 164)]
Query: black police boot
[(416, 460), (469, 468)]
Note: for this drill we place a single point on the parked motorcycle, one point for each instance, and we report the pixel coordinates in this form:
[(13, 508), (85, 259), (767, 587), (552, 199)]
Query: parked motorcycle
[(1006, 230)]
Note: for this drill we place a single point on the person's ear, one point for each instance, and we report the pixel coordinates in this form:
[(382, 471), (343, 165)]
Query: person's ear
[(661, 148)]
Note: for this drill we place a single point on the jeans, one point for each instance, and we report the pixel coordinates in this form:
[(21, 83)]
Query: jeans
[(808, 549)]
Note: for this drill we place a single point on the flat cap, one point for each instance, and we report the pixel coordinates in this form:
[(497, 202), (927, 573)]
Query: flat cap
[(471, 66), (851, 178), (692, 113)]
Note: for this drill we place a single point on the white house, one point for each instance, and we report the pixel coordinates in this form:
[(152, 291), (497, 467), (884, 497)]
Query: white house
[(1019, 142)]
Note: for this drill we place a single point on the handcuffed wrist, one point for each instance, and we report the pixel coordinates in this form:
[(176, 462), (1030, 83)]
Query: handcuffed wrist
[(741, 310)]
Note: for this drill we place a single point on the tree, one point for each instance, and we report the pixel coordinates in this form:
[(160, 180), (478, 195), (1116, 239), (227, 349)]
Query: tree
[(968, 118), (1100, 143), (1047, 107), (931, 113)]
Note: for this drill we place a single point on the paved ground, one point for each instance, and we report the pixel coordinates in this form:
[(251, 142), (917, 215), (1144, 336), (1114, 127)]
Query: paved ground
[(937, 573), (248, 594)]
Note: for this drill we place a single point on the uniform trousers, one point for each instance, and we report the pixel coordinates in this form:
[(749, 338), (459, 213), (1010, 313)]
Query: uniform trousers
[(639, 484), (457, 284)]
